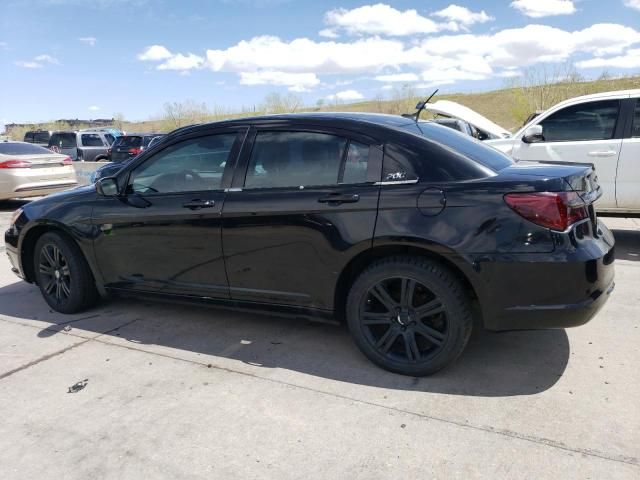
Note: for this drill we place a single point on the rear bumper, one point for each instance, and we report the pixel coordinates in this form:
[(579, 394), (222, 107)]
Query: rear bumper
[(562, 289)]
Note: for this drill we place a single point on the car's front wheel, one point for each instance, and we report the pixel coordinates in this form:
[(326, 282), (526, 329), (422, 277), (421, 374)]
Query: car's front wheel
[(409, 315), (62, 273)]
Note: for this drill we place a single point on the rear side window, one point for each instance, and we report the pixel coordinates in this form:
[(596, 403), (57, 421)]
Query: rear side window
[(63, 140), (636, 121), (91, 140), (293, 159), (583, 122), (41, 137), (28, 137)]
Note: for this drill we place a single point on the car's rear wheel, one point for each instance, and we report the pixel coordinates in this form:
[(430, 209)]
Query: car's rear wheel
[(409, 315), (62, 273)]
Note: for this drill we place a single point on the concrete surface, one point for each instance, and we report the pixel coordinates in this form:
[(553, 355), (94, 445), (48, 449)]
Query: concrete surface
[(190, 392)]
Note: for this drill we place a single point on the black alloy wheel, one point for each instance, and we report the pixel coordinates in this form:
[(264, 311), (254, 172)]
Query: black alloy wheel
[(409, 315), (404, 320), (54, 271), (62, 273)]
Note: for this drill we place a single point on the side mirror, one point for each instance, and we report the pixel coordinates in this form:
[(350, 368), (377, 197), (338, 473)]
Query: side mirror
[(107, 187), (533, 134)]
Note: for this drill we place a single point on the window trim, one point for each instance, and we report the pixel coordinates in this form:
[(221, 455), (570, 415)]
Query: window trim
[(240, 174), (617, 128), (240, 132)]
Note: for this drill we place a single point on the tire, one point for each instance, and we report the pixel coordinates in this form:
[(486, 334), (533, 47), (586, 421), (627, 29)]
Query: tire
[(72, 289), (409, 315)]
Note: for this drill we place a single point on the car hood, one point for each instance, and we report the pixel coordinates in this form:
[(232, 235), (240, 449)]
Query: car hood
[(455, 110)]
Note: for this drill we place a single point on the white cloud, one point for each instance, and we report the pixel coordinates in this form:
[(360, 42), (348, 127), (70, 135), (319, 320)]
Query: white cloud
[(4, 45), (182, 62), (635, 4), (631, 59), (463, 16), (91, 41), (297, 82), (544, 8), (398, 77), (328, 33), (38, 62), (27, 64), (302, 64), (93, 108), (346, 95), (47, 59), (154, 53), (380, 19)]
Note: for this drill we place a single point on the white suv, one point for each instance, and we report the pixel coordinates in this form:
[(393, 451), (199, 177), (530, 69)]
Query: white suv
[(603, 129)]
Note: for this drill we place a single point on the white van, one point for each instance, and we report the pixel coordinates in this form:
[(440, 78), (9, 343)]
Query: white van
[(602, 129)]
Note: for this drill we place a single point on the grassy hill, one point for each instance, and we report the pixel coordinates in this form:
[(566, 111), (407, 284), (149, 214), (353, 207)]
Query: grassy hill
[(508, 107)]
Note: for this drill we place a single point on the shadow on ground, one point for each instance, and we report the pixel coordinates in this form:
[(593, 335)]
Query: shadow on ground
[(627, 244), (493, 365)]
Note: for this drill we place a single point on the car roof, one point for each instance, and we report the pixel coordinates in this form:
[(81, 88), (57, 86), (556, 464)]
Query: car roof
[(356, 120), (597, 96)]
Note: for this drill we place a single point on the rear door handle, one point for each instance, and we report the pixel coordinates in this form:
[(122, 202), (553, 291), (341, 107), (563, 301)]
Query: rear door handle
[(602, 153), (338, 198), (198, 204)]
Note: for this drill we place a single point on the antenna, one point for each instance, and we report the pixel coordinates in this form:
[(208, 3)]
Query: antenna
[(419, 108)]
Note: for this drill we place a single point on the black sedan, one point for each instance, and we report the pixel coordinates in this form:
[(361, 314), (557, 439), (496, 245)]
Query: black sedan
[(411, 233)]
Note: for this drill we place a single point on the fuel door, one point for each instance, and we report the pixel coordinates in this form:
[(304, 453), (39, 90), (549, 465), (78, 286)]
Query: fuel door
[(432, 201)]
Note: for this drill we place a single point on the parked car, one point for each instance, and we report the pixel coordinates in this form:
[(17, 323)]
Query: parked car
[(601, 129), (28, 170), (122, 154), (83, 145), (456, 124), (130, 145), (485, 128), (407, 231), (39, 137)]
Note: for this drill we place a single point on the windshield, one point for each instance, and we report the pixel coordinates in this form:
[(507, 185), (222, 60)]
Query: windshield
[(63, 140), (11, 148), (463, 144)]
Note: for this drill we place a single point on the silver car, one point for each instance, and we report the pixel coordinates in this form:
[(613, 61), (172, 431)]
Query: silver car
[(28, 170)]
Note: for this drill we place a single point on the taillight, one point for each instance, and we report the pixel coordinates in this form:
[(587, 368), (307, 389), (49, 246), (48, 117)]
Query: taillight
[(15, 164), (554, 210), (108, 151), (135, 151), (67, 161)]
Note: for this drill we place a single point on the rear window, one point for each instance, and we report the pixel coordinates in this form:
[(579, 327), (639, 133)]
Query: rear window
[(465, 146), (11, 148), (63, 140), (41, 137), (129, 142), (91, 140)]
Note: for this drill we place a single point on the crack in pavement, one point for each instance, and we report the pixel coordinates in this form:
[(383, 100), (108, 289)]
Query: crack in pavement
[(49, 356), (542, 441)]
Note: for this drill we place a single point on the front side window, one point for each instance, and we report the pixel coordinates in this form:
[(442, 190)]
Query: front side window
[(582, 122), (294, 159), (91, 140), (192, 165), (41, 137)]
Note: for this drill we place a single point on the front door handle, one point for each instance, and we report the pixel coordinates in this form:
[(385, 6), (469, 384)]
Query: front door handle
[(198, 204), (338, 198), (603, 153)]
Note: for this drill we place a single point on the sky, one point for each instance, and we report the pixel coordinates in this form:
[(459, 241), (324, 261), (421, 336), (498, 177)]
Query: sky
[(94, 58)]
